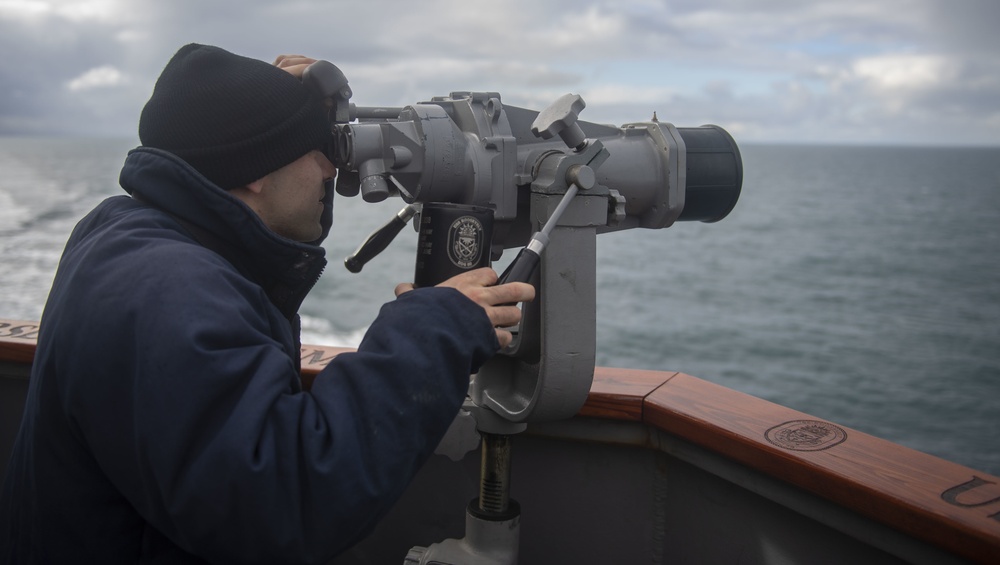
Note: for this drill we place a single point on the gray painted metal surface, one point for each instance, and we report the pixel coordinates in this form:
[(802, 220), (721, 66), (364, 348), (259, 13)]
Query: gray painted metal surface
[(600, 491), (469, 148)]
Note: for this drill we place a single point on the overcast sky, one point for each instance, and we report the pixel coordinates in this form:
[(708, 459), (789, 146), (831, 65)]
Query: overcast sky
[(845, 71)]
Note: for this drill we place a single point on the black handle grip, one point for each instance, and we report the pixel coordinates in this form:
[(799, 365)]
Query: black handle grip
[(522, 268), (375, 244)]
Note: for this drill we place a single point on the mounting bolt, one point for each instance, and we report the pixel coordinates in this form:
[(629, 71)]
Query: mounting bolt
[(616, 207), (582, 176)]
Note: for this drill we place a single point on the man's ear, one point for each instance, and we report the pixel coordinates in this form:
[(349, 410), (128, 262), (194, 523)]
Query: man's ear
[(249, 193), (256, 186)]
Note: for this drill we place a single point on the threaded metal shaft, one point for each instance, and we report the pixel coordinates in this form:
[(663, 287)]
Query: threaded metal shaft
[(494, 481)]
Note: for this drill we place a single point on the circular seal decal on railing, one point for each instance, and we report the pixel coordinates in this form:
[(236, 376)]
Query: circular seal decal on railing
[(465, 242), (806, 435)]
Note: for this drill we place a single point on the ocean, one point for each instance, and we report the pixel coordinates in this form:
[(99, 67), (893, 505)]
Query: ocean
[(857, 284)]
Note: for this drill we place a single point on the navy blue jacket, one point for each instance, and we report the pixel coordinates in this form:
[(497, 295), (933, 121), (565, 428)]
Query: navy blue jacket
[(165, 417)]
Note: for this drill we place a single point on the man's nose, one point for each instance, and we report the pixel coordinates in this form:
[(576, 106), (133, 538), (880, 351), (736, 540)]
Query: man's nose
[(329, 170)]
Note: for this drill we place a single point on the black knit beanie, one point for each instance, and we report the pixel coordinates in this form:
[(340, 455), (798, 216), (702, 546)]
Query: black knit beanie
[(233, 118)]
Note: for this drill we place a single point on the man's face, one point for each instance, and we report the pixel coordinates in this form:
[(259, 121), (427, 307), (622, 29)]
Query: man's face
[(291, 199)]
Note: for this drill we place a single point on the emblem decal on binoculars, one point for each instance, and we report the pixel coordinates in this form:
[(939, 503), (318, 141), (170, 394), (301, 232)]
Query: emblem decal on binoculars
[(465, 242)]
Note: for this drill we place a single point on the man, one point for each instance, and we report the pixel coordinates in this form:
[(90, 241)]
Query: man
[(165, 420)]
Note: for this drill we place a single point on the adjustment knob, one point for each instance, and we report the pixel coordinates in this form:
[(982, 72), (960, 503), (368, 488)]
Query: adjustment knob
[(374, 188), (560, 118), (415, 556)]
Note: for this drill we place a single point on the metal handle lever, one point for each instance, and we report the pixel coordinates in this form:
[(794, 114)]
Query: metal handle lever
[(379, 240)]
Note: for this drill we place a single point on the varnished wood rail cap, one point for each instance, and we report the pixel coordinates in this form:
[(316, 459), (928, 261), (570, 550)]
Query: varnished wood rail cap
[(620, 394), (944, 503), (17, 340)]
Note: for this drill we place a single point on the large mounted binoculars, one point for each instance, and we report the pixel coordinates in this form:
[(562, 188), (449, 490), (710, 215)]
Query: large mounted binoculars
[(507, 177)]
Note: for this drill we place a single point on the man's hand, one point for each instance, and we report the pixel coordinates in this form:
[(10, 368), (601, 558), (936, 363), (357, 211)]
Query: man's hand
[(500, 302), (294, 64)]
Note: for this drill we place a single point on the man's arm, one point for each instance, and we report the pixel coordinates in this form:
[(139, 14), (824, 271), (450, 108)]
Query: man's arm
[(218, 452), (499, 301)]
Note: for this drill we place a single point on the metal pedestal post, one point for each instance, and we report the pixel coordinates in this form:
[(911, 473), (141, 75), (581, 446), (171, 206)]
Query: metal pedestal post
[(492, 521)]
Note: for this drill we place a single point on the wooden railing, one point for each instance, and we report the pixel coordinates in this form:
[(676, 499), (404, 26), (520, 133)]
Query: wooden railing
[(942, 503)]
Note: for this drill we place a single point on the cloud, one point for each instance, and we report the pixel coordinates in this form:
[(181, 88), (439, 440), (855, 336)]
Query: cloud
[(903, 72), (77, 11), (782, 70), (99, 77)]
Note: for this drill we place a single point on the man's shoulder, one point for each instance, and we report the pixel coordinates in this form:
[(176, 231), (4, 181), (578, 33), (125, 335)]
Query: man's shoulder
[(120, 223), (147, 262), (127, 236)]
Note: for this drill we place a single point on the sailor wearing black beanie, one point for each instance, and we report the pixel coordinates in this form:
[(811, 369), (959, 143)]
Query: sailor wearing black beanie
[(233, 118), (167, 416)]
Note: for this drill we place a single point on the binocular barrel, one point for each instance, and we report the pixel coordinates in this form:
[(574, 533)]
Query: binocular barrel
[(469, 149), (468, 154), (714, 174)]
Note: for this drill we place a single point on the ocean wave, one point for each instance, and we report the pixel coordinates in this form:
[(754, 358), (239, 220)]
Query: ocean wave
[(317, 331)]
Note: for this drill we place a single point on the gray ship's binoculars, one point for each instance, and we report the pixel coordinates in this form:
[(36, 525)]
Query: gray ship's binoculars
[(469, 149)]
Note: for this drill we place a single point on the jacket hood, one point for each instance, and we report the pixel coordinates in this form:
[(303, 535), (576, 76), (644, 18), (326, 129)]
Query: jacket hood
[(285, 268)]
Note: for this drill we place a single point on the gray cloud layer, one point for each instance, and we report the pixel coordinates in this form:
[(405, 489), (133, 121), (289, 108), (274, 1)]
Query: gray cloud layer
[(913, 71)]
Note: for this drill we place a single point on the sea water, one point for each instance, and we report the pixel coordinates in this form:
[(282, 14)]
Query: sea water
[(857, 284)]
